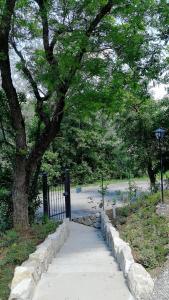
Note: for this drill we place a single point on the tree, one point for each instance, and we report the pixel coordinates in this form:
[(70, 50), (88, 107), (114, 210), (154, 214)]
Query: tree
[(135, 127), (26, 164), (66, 52)]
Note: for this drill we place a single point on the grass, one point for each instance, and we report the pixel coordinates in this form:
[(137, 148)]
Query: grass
[(15, 248), (146, 232)]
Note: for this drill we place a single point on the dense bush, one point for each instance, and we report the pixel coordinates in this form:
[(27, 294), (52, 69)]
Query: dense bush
[(5, 209)]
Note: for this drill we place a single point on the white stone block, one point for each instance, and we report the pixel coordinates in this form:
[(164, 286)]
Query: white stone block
[(117, 246), (97, 215), (140, 282), (125, 258), (23, 290)]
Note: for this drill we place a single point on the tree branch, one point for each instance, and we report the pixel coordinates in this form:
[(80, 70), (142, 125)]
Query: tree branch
[(25, 70), (7, 84), (7, 16), (44, 17), (28, 75), (104, 11), (57, 33)]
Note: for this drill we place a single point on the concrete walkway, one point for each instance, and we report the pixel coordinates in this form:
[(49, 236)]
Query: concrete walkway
[(83, 270)]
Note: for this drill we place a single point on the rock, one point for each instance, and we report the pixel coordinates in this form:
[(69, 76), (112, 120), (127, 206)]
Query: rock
[(140, 282), (117, 246), (93, 220), (97, 215), (97, 225), (114, 232), (23, 290), (88, 221), (20, 274), (34, 268), (162, 209), (125, 258)]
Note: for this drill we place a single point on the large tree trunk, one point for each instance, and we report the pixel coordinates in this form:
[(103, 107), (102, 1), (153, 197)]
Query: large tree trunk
[(20, 195), (152, 176)]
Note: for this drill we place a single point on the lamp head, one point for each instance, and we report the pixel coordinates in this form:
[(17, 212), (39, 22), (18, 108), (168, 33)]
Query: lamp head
[(159, 133)]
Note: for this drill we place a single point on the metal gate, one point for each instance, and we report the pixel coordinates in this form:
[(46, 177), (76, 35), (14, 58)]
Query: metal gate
[(56, 197)]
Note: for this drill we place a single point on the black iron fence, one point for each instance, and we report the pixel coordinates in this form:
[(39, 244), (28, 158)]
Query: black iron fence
[(56, 197)]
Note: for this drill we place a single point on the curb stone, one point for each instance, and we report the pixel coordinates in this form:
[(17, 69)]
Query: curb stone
[(139, 281), (29, 273)]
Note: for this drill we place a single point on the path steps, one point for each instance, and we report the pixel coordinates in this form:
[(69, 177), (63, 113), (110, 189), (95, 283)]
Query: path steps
[(83, 270)]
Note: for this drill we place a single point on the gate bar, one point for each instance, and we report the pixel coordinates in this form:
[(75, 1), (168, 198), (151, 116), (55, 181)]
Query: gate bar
[(45, 195), (67, 194)]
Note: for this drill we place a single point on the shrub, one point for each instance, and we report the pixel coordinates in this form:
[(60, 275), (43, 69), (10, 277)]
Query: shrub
[(146, 231), (5, 209)]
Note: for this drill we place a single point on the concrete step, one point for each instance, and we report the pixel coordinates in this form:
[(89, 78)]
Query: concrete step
[(82, 286), (84, 269)]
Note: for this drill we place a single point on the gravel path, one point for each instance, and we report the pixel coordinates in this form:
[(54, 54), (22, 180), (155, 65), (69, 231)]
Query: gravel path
[(161, 290)]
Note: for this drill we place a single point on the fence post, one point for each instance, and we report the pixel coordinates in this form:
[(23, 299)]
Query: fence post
[(45, 195), (67, 194)]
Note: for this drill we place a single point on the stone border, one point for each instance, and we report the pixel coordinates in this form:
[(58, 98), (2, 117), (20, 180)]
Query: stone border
[(138, 279), (27, 276)]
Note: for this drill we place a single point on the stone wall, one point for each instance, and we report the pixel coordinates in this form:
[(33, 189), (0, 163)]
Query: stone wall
[(92, 220), (27, 275), (138, 279)]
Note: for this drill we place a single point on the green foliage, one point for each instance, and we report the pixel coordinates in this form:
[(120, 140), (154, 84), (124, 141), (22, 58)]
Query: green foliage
[(135, 126), (84, 146), (146, 232), (17, 253), (51, 165), (45, 228), (5, 209)]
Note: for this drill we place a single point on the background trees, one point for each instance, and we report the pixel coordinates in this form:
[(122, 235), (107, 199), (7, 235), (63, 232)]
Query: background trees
[(136, 125)]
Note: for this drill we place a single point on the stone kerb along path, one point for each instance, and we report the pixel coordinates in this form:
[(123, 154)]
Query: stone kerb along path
[(138, 279), (27, 276)]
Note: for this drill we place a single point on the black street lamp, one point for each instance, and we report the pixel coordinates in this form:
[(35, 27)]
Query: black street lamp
[(159, 133)]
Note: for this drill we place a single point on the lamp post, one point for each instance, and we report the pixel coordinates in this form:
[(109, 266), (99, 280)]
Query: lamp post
[(159, 133)]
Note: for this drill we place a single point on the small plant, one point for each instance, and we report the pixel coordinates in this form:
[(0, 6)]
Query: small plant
[(103, 191), (132, 191)]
